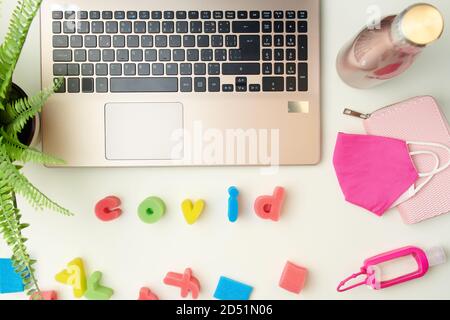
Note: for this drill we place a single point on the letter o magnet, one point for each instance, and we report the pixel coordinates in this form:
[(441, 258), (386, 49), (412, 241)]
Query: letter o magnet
[(151, 210)]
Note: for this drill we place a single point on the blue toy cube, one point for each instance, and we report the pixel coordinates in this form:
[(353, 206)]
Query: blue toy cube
[(228, 289), (10, 281)]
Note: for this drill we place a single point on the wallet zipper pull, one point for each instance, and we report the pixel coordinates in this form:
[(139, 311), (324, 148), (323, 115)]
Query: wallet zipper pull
[(352, 113)]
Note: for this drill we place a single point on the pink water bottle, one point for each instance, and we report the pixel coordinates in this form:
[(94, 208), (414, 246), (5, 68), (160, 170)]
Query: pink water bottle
[(372, 270), (382, 52)]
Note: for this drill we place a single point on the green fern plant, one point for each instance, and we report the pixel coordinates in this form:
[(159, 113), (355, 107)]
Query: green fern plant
[(14, 115)]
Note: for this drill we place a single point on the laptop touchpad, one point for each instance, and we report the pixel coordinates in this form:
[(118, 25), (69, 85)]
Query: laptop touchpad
[(144, 131)]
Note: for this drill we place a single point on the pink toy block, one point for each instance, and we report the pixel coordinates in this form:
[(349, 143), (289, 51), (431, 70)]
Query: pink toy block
[(108, 208), (269, 207), (185, 281), (293, 278), (147, 294), (45, 295)]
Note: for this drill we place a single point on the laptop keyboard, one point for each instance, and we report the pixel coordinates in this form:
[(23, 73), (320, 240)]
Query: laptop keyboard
[(180, 51)]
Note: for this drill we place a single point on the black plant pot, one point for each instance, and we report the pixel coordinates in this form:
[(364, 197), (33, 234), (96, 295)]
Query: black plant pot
[(29, 135)]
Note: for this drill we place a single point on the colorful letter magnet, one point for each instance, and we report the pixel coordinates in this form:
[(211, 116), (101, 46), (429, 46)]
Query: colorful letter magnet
[(269, 207), (293, 278), (233, 204), (185, 281), (10, 281), (228, 289), (151, 210), (108, 208), (95, 291), (147, 294), (75, 276), (192, 211), (44, 295)]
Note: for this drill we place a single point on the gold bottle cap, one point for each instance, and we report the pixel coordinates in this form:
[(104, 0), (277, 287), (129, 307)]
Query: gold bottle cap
[(422, 24)]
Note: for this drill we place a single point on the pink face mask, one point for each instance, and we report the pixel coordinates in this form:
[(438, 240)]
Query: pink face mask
[(378, 173)]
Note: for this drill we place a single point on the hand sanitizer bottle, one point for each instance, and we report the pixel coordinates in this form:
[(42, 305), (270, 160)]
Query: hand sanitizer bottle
[(383, 52), (373, 272)]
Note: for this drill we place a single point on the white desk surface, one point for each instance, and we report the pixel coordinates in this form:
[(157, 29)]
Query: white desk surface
[(319, 230)]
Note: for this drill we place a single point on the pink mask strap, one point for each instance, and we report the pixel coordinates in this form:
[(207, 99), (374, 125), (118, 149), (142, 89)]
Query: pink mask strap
[(353, 276)]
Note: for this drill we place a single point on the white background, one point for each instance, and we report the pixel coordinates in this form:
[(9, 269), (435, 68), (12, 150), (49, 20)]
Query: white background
[(319, 230)]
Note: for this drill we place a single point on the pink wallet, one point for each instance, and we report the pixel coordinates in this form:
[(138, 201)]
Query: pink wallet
[(417, 119)]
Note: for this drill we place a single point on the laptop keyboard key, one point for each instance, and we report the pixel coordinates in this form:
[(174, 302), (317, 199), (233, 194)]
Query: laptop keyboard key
[(200, 84), (57, 15), (129, 69), (302, 48), (62, 87), (118, 41), (168, 27), (185, 69), (140, 27), (245, 27), (150, 54), (158, 69), (214, 84), (196, 27), (182, 27), (241, 68), (56, 27), (302, 76), (122, 55), (82, 15), (192, 55), (144, 69), (101, 69), (115, 69), (87, 69), (200, 68), (73, 85), (60, 41), (97, 27), (273, 84), (224, 27), (160, 41), (119, 15), (73, 69), (137, 55), (142, 84), (174, 41), (90, 41), (94, 55), (59, 69), (69, 26), (125, 27), (94, 15), (132, 41), (172, 69), (302, 26), (62, 55), (156, 15), (227, 88), (104, 41), (179, 55), (291, 84), (146, 41), (185, 84), (101, 85), (164, 54)]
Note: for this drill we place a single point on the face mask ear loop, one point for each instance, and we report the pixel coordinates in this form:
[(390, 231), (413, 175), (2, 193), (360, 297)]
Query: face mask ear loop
[(437, 145), (341, 287), (436, 169), (436, 166)]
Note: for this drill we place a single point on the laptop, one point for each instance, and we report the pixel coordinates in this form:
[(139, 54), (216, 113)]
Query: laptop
[(181, 83)]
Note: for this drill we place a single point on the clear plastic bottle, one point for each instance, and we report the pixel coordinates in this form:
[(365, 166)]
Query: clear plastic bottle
[(379, 54)]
